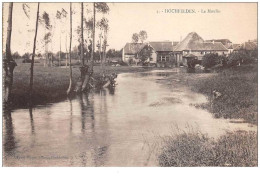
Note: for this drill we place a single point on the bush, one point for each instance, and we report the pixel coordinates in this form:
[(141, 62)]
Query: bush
[(196, 149), (210, 60), (241, 57)]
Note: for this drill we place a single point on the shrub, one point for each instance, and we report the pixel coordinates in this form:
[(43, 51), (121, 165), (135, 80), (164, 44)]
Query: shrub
[(241, 57), (209, 60)]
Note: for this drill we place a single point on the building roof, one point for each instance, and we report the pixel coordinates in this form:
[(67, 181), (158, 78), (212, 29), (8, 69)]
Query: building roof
[(223, 41), (189, 56), (133, 48), (247, 46), (236, 46), (194, 42), (163, 46)]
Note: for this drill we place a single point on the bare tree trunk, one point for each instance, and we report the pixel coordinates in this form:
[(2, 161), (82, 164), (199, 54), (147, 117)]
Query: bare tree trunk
[(66, 52), (105, 46), (60, 51), (34, 47), (89, 71), (8, 63), (93, 44), (70, 85), (82, 36), (100, 52)]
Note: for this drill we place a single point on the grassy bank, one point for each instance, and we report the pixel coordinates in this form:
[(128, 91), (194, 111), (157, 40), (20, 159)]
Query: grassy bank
[(237, 149), (237, 85), (51, 83), (238, 88)]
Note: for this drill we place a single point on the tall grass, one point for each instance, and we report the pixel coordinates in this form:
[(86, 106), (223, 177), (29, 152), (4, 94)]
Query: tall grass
[(238, 87), (235, 149)]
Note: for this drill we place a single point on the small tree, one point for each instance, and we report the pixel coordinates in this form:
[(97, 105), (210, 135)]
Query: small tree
[(143, 36), (145, 53), (135, 38)]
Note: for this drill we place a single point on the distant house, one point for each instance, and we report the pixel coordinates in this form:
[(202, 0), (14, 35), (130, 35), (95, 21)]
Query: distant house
[(130, 51), (226, 42), (162, 52), (250, 47), (193, 46)]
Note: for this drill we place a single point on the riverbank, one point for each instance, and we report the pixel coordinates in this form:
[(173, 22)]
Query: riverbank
[(237, 87), (234, 149), (238, 100), (51, 83)]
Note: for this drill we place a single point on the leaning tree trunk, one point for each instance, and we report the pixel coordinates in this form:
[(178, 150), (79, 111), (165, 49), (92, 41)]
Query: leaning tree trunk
[(70, 85), (34, 47), (89, 71), (8, 62)]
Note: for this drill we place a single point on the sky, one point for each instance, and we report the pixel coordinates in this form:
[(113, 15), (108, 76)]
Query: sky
[(161, 21)]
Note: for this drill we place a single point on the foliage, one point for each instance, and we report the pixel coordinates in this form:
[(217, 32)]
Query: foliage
[(240, 57), (102, 7), (135, 38), (145, 53), (103, 24), (47, 37), (238, 86), (26, 9), (61, 14), (209, 60), (26, 55), (89, 26), (61, 54), (112, 53), (16, 55), (45, 19), (254, 53), (196, 149), (222, 59), (142, 35)]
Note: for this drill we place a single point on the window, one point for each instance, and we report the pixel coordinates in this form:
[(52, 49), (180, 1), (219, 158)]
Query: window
[(163, 58)]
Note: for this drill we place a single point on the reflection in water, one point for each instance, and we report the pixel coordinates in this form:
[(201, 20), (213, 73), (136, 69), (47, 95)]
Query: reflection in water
[(9, 140), (71, 114), (107, 128), (31, 120)]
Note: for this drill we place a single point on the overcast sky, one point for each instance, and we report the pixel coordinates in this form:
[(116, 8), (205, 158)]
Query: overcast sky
[(235, 21)]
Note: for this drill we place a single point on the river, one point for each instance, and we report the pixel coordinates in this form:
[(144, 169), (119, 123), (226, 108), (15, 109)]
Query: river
[(108, 128)]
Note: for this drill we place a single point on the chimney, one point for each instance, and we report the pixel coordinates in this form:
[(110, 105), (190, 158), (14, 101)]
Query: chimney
[(213, 41)]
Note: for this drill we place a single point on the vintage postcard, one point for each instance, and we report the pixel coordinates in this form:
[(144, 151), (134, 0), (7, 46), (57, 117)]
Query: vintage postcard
[(90, 84)]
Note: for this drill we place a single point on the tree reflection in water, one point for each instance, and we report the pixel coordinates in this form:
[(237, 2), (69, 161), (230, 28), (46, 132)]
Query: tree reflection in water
[(32, 121), (9, 138)]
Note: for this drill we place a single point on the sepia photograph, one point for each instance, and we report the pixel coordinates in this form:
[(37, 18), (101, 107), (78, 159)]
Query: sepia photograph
[(133, 84)]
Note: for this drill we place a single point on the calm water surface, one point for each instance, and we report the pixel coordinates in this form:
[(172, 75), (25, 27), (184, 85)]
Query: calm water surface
[(108, 128)]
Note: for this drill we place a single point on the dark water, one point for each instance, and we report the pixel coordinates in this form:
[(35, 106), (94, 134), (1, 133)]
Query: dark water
[(108, 128)]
